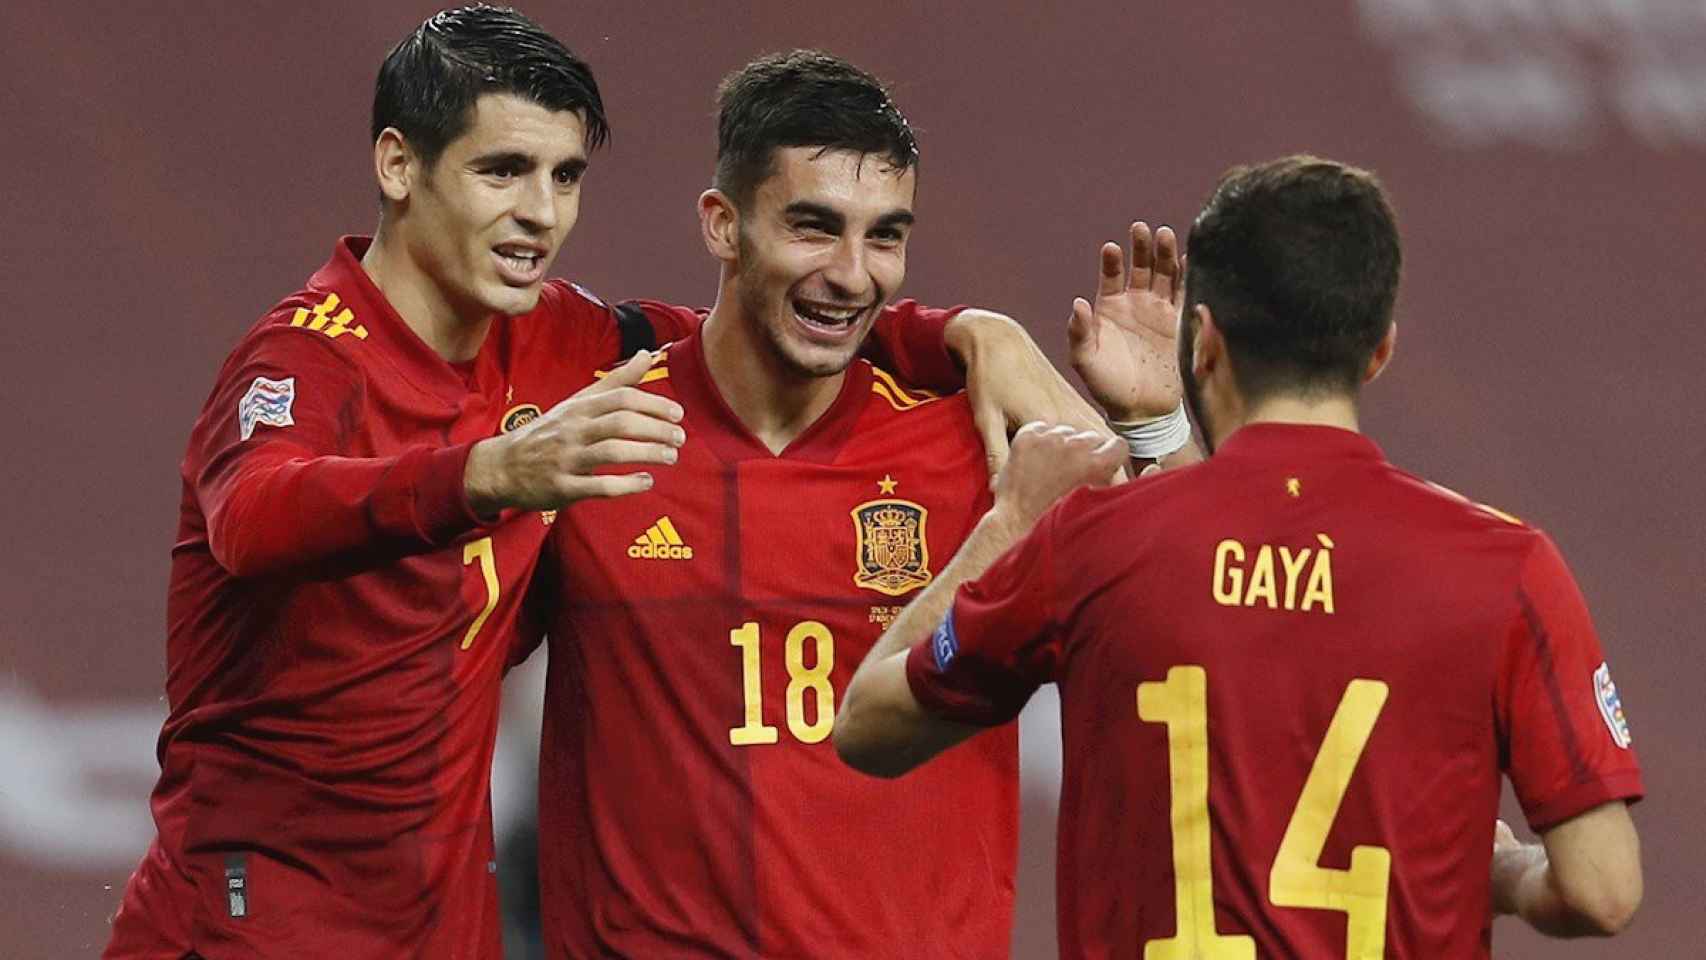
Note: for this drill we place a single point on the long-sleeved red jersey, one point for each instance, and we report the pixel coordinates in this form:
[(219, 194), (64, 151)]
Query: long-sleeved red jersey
[(338, 626)]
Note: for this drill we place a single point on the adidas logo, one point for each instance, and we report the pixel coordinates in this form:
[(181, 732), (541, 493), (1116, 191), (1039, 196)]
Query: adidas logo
[(660, 542)]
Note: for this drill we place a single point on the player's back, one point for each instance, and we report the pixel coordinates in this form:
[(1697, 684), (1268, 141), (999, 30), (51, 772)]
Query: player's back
[(692, 804), (1282, 691)]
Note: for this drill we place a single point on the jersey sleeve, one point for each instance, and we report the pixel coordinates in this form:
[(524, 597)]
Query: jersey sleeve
[(912, 341), (1000, 640), (270, 471), (1564, 739)]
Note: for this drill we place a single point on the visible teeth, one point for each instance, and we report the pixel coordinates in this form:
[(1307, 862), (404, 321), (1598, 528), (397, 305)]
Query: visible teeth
[(827, 315)]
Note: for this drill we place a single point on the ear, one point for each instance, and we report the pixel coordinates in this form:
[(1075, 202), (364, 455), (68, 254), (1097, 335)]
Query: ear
[(719, 224), (1208, 350), (394, 165), (1382, 355)]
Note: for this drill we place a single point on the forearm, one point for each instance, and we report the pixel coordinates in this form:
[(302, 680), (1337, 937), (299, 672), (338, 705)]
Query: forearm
[(992, 536), (1525, 885), (315, 513)]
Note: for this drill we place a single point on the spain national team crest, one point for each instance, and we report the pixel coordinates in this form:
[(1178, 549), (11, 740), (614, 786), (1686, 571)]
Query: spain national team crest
[(894, 556), (1611, 706), (520, 416)]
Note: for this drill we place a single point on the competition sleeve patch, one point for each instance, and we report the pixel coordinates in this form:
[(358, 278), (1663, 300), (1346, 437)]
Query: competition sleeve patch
[(1611, 706), (945, 643), (266, 402)]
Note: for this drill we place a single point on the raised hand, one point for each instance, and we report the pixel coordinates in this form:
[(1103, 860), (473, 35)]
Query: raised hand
[(1125, 345), (554, 460)]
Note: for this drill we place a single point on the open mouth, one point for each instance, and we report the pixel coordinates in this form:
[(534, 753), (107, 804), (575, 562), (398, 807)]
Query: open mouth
[(520, 263), (830, 319)]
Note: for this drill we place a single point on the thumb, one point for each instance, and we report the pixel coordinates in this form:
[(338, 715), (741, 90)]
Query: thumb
[(1082, 336), (992, 427)]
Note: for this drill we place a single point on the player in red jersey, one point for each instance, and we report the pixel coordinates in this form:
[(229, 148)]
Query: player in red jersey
[(1291, 675), (365, 493), (690, 804)]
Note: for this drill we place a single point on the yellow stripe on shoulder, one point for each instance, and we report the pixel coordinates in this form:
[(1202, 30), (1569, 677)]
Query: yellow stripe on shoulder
[(322, 319), (1484, 508), (885, 386), (659, 371)]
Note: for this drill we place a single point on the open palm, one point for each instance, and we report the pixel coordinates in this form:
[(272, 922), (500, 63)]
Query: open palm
[(1125, 345)]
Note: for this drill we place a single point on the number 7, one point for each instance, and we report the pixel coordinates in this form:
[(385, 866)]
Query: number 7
[(481, 550)]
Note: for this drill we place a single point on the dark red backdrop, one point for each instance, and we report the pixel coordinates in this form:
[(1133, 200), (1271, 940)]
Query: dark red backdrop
[(170, 169)]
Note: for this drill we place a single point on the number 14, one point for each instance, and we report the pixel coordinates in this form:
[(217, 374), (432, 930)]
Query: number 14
[(1297, 879)]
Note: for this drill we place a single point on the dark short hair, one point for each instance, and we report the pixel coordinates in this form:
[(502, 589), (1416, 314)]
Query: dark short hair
[(1298, 261), (804, 98), (429, 83)]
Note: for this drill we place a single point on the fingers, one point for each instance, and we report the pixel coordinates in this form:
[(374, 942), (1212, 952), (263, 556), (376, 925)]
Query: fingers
[(612, 452), (606, 485), (1142, 256), (626, 375), (1111, 279), (611, 400), (632, 425), (1081, 334), (992, 427), (1168, 267)]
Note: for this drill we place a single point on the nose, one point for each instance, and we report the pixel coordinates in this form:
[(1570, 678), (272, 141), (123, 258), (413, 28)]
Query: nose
[(847, 273), (536, 203)]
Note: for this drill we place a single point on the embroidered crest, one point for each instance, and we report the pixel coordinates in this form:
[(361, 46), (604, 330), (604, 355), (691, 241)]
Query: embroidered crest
[(268, 402), (1611, 706), (894, 557), (520, 416)]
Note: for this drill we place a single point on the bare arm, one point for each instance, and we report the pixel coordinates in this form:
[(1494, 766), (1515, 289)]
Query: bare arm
[(1582, 880), (881, 728)]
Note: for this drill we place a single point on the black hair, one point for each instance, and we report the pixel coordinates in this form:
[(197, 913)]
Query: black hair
[(803, 98), (1298, 261), (430, 81)]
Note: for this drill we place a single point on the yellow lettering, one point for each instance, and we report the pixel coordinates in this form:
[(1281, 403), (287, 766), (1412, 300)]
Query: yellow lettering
[(1320, 588), (1228, 580), (1293, 566), (1262, 579)]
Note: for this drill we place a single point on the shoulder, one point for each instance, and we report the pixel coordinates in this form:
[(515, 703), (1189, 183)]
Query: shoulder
[(669, 321), (315, 327)]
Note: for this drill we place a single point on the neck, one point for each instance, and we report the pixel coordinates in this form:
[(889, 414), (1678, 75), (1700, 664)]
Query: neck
[(773, 401), (1328, 410), (420, 302)]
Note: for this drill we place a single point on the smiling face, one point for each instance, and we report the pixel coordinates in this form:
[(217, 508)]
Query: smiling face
[(822, 246), (485, 220)]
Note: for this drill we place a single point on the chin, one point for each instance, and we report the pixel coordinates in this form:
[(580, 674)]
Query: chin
[(512, 301)]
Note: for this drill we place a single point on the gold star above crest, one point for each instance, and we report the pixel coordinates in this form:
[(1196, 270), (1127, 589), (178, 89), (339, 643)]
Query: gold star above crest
[(1294, 486), (887, 484), (509, 395)]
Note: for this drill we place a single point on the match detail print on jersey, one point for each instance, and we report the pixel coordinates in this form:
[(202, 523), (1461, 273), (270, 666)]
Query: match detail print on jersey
[(1297, 879)]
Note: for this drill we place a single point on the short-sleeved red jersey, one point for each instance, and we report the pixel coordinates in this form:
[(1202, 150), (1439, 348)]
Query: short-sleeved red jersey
[(339, 623), (691, 802), (1290, 677)]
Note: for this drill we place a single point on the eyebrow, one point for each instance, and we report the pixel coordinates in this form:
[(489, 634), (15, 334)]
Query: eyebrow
[(833, 217), (504, 158)]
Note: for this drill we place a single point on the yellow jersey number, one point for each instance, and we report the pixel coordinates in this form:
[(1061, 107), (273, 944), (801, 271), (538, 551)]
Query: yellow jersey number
[(1297, 879), (801, 681)]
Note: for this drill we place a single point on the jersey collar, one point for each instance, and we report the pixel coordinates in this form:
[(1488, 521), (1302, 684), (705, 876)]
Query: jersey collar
[(417, 362), (729, 438), (1269, 441)]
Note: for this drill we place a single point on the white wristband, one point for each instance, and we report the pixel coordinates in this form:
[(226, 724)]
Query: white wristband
[(1156, 437)]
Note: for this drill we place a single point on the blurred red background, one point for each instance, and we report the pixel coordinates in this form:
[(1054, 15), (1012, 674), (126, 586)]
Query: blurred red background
[(171, 169)]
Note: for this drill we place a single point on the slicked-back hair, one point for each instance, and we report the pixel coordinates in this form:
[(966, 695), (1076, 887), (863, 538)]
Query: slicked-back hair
[(803, 98), (1298, 261), (430, 81)]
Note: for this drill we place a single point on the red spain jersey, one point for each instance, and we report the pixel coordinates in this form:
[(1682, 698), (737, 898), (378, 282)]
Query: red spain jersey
[(691, 802), (1290, 678), (339, 623)]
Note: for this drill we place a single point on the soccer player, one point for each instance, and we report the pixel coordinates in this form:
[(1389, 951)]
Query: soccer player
[(365, 495), (1290, 675), (690, 804)]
